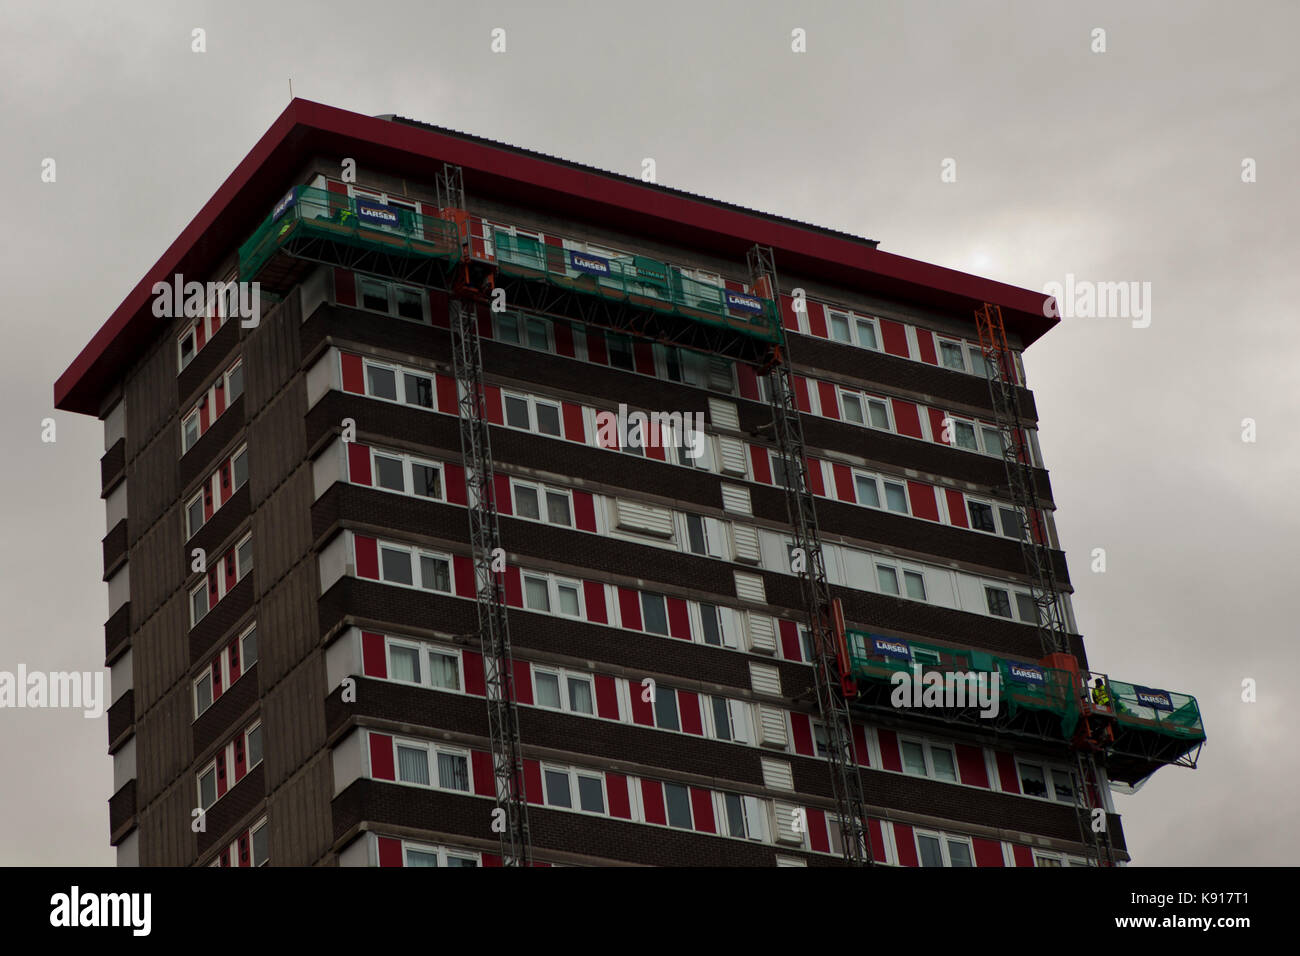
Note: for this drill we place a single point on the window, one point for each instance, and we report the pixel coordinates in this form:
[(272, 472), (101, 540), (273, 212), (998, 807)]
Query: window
[(560, 784), (187, 349), (977, 363), (537, 333), (806, 644), (203, 693), (419, 390), (563, 690), (1041, 860), (1012, 525), (866, 332), (557, 788), (189, 431), (878, 412), (780, 477), (395, 566), (1062, 786), (735, 807), (248, 645), (821, 739), (678, 800), (840, 327), (548, 418), (537, 594), (529, 500), (548, 689), (374, 295), (1027, 608), (981, 516), (591, 793), (964, 435), (435, 573), (580, 695), (1033, 781), (444, 670), (208, 786), (381, 382), (557, 508), (568, 599), (508, 328), (992, 440), (413, 765), (244, 557), (453, 771), (914, 584), (665, 705), (426, 480), (895, 497), (194, 515), (868, 494), (409, 302), (240, 468), (654, 613), (925, 759), (532, 414), (851, 406), (887, 579), (260, 834), (721, 718), (404, 663), (620, 351), (943, 851), (199, 603), (235, 383), (254, 746), (710, 625), (953, 356), (696, 535), (390, 473), (999, 602)]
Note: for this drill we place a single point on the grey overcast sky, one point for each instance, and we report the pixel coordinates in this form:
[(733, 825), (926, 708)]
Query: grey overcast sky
[(1123, 165)]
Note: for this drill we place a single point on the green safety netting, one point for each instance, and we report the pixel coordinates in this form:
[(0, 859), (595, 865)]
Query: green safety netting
[(1183, 720), (307, 213), (638, 280)]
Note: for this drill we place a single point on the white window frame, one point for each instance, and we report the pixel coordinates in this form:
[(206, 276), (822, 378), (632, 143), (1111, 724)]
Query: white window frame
[(205, 676), (442, 853), (575, 796), (192, 530), (248, 750), (532, 403), (252, 843), (1048, 771), (413, 554), (543, 509), (943, 841), (940, 341), (562, 677), (211, 767), (193, 416), (927, 758), (391, 287), (192, 333)]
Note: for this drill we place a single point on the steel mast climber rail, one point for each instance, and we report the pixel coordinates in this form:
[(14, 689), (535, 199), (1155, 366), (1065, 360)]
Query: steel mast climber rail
[(471, 283), (999, 367), (830, 680)]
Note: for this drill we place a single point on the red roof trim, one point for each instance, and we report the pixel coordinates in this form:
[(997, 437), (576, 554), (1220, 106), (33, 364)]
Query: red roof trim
[(499, 170)]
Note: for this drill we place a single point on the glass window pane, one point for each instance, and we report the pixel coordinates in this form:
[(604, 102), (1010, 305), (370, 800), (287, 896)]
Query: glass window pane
[(453, 772), (461, 861), (895, 497), (537, 337), (913, 758), (915, 584), (879, 415), (203, 693), (654, 613), (194, 516), (508, 328), (548, 419), (666, 709), (427, 480), (419, 390), (735, 815), (517, 412), (959, 853), (931, 855), (964, 432), (382, 382), (852, 408), (695, 534), (678, 800), (526, 504), (537, 596), (981, 516), (390, 473), (435, 573), (866, 334), (199, 603), (557, 789), (244, 557), (187, 349), (250, 649), (591, 795), (208, 789), (548, 690), (952, 356), (1012, 526), (992, 441), (868, 494), (404, 663), (396, 566), (1063, 786), (721, 718), (421, 858), (944, 766), (1027, 608), (620, 352), (260, 845), (887, 579), (236, 383), (412, 765), (710, 626), (1032, 780), (999, 602), (410, 304), (240, 469), (580, 696), (255, 746), (569, 602), (557, 508), (374, 295), (839, 327), (443, 671)]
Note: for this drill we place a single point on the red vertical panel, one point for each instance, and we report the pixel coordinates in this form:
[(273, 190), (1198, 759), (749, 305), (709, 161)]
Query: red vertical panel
[(889, 750), (374, 662), (606, 697), (483, 319), (216, 677), (925, 340), (463, 572), (204, 420), (936, 425), (224, 472), (454, 476), (241, 766), (207, 502), (923, 502), (491, 860), (1024, 856), (596, 347), (860, 745), (830, 400), (354, 378), (790, 641), (243, 850), (390, 852), (654, 447), (219, 398), (844, 490), (643, 357), (801, 733), (584, 511), (501, 488), (815, 481), (523, 682), (817, 320), (381, 757), (1007, 775), (359, 464), (564, 339), (702, 807), (484, 775), (233, 651), (593, 593), (747, 378), (222, 783), (230, 572), (514, 587), (652, 798), (620, 804), (214, 592), (906, 418), (789, 318), (629, 606), (906, 845), (642, 710), (439, 309), (895, 337), (761, 464), (345, 287), (533, 781), (679, 619), (818, 838), (688, 708), (988, 852), (877, 840), (574, 427), (801, 399), (956, 508), (367, 551), (492, 403), (970, 761), (447, 401), (475, 683), (200, 335)]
